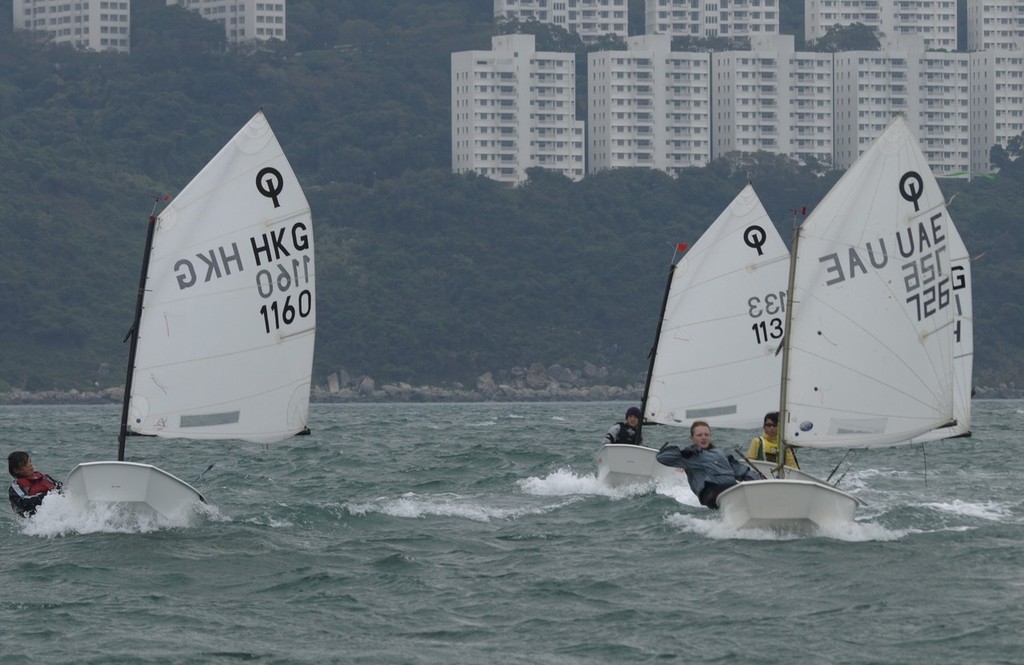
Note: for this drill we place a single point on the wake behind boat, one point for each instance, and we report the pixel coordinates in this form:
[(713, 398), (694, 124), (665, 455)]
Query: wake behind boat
[(222, 341), (869, 352)]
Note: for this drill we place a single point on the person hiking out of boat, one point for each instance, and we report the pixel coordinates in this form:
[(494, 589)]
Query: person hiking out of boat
[(29, 486), (766, 446), (708, 470), (628, 431)]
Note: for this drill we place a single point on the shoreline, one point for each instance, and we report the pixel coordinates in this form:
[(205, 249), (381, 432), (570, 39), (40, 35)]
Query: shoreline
[(404, 393)]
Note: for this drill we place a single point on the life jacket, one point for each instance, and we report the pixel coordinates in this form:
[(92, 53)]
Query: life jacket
[(769, 449), (37, 483), (627, 434)]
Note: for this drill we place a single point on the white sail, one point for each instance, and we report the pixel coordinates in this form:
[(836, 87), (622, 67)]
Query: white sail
[(717, 356), (225, 344), (963, 343), (871, 340)]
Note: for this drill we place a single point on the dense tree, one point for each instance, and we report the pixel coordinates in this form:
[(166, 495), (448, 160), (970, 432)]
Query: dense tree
[(423, 275)]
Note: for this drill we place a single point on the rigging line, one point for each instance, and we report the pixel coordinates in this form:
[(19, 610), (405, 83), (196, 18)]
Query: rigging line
[(200, 476), (848, 451)]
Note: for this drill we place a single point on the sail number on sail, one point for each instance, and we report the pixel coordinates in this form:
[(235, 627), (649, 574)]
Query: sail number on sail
[(285, 279), (925, 271), (771, 306), (284, 262)]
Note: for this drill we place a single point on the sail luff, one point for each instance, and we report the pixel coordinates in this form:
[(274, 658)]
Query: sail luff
[(654, 348), (134, 339)]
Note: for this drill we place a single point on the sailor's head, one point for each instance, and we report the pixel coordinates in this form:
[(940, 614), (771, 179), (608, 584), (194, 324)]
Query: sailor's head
[(634, 413), (700, 433)]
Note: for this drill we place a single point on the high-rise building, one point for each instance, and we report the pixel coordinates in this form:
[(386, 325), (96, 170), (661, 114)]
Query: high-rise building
[(243, 20), (997, 103), (933, 20), (995, 25), (648, 106), (772, 98), (712, 18), (932, 89), (514, 108), (590, 19), (85, 24)]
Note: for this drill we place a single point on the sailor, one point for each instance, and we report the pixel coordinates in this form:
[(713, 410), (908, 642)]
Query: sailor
[(708, 470), (766, 446), (29, 486), (626, 432)]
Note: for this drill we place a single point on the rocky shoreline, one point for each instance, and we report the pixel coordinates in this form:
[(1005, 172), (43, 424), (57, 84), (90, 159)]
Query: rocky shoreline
[(534, 384)]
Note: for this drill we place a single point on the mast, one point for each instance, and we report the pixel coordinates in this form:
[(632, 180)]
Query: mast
[(654, 349), (783, 415), (134, 336)]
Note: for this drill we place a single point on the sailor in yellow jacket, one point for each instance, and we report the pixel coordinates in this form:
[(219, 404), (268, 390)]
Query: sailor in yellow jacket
[(766, 446)]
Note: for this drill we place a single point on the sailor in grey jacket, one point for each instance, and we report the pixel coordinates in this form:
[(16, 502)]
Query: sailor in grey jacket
[(708, 470)]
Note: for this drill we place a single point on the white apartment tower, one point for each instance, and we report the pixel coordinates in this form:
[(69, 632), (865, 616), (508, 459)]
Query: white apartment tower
[(931, 89), (997, 103), (712, 18), (590, 19), (773, 99), (933, 20), (514, 108), (648, 107), (243, 20), (85, 24), (995, 25)]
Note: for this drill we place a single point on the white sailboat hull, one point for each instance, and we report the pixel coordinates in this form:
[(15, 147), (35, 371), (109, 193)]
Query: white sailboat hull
[(625, 464), (140, 487), (786, 505)]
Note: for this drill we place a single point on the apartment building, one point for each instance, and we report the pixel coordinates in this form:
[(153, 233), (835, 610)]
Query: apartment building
[(933, 20), (514, 108), (995, 25), (649, 107), (85, 24), (773, 99), (996, 102), (243, 20), (932, 89), (711, 18), (590, 19)]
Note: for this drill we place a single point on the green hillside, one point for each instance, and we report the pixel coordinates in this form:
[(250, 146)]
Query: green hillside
[(424, 276)]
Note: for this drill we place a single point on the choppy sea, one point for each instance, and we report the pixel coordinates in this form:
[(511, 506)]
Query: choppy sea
[(478, 533)]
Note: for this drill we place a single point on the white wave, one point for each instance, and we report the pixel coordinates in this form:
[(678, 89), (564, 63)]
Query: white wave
[(988, 510), (60, 516), (565, 482), (448, 505)]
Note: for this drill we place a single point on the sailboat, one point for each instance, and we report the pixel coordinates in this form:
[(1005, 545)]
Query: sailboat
[(225, 320), (868, 356), (716, 354)]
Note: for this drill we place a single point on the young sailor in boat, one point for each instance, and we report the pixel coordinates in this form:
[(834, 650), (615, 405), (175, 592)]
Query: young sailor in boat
[(708, 470), (766, 446), (29, 486), (626, 432)]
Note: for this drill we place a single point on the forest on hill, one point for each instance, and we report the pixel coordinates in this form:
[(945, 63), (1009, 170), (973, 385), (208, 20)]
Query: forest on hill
[(423, 276)]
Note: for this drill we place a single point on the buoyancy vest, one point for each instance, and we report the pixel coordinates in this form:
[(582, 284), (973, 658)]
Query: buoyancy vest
[(627, 434), (37, 483)]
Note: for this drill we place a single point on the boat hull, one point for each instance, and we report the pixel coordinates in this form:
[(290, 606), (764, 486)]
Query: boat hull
[(626, 464), (786, 505), (139, 487)]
